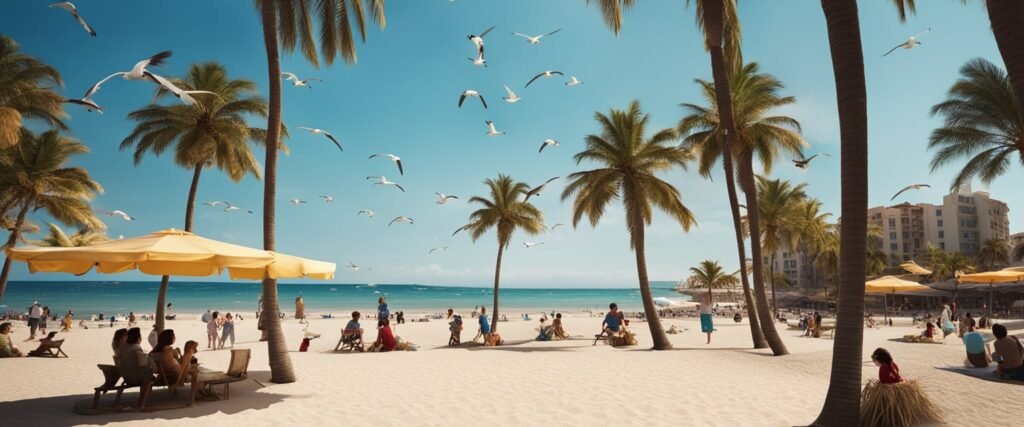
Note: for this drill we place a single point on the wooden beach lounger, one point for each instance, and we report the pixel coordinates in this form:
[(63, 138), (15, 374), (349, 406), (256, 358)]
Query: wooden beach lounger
[(603, 336), (110, 377), (49, 349), (238, 370), (351, 342)]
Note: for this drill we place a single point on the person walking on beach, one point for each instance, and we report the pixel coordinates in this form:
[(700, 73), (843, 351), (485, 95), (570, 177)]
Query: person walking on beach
[(34, 313), (43, 320), (707, 323), (946, 323), (228, 331), (485, 325), (131, 319), (211, 330), (382, 309)]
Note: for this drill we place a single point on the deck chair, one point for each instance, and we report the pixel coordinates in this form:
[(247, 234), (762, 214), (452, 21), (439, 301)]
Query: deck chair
[(110, 377), (238, 370), (186, 373), (350, 342), (49, 349), (603, 336)]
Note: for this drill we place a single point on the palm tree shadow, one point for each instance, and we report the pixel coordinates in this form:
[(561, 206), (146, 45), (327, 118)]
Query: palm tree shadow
[(61, 410)]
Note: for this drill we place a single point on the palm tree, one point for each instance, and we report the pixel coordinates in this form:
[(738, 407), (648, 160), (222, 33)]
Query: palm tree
[(754, 96), (26, 92), (779, 204), (981, 121), (212, 133), (1007, 18), (947, 265), (826, 259), (287, 23), (505, 213), (708, 274), (630, 161), (842, 401), (83, 237), (36, 178), (1018, 252), (993, 253)]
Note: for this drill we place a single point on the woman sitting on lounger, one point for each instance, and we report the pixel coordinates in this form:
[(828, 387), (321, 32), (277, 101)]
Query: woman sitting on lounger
[(45, 344), (164, 357), (120, 336), (7, 348), (132, 363), (558, 329)]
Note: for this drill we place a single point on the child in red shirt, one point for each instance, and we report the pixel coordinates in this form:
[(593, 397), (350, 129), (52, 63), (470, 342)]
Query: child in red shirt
[(888, 371)]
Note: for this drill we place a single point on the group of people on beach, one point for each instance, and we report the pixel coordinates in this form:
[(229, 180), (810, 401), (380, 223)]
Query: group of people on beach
[(218, 329), (163, 363)]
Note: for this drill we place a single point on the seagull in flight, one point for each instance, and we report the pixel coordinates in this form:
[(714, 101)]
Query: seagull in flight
[(400, 219), (531, 244), (138, 72), (296, 202), (910, 187), (121, 214), (68, 6), (327, 199), (353, 266), (472, 93), (553, 227), (368, 213), (536, 39), (804, 161), (536, 191), (232, 208), (546, 143), (443, 198), (512, 98), (573, 81), (316, 131), (441, 248), (86, 102), (478, 40), (394, 158), (547, 75), (383, 180), (182, 94), (491, 130), (296, 81), (216, 203), (910, 43), (479, 60)]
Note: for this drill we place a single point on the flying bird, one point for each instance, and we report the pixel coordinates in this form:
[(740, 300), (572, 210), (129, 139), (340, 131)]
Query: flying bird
[(400, 219), (296, 81), (315, 131), (216, 203), (547, 75), (535, 39), (512, 98), (182, 94), (394, 158), (553, 227), (121, 214), (491, 130), (910, 43), (804, 161), (478, 40), (909, 187), (479, 60), (296, 202), (382, 180), (327, 199), (138, 71), (471, 93), (573, 81), (443, 199), (536, 191), (531, 244), (546, 143), (368, 213), (441, 248), (232, 208), (353, 266), (89, 104), (68, 6)]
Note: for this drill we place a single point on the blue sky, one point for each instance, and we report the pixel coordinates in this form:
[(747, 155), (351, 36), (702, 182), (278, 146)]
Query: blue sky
[(401, 98)]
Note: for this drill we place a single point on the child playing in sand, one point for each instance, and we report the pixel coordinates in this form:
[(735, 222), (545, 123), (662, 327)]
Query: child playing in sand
[(888, 371), (211, 330)]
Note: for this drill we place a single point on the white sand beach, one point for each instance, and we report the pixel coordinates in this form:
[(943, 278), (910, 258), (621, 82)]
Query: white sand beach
[(524, 382)]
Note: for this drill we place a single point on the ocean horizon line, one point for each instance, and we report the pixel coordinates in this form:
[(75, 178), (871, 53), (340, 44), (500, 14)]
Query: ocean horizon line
[(664, 284)]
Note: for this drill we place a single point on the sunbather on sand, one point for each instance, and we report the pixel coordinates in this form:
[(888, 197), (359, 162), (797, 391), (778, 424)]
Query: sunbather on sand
[(977, 352), (558, 329), (45, 343), (1011, 354), (7, 347), (385, 337), (164, 357)]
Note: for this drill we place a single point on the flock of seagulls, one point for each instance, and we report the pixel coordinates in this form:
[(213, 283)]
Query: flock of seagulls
[(140, 71)]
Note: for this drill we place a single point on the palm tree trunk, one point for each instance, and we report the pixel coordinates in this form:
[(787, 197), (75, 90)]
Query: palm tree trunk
[(280, 363), (842, 402), (190, 208), (11, 241), (713, 22), (497, 278), (636, 233), (763, 312), (771, 276), (1007, 19)]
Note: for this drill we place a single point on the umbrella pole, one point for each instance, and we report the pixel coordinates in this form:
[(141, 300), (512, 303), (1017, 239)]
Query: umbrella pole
[(991, 294)]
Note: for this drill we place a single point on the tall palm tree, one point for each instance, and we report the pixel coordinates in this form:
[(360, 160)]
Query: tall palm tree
[(37, 178), (285, 23), (212, 133), (720, 22), (629, 161), (57, 238), (753, 96), (1018, 252), (26, 92), (842, 401), (1007, 19), (993, 253), (505, 213), (708, 274), (981, 121), (779, 208), (826, 259)]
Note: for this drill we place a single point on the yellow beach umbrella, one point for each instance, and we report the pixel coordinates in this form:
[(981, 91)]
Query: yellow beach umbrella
[(172, 253), (890, 285), (1007, 275)]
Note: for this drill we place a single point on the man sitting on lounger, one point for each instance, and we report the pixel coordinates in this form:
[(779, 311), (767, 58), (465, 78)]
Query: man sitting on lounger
[(7, 347), (352, 328), (612, 324)]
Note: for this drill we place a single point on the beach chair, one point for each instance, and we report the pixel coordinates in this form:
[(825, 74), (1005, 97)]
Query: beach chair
[(238, 370), (350, 342), (110, 377), (603, 336), (186, 373), (49, 349)]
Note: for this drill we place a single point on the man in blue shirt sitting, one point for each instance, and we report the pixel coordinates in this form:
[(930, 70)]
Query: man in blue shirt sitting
[(612, 324)]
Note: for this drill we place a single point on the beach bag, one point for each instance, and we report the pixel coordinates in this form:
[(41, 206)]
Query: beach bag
[(626, 338)]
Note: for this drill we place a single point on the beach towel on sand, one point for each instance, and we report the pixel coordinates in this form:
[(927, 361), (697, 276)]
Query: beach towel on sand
[(988, 374)]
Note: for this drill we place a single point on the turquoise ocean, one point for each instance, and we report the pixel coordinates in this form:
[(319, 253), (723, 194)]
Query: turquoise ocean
[(111, 297)]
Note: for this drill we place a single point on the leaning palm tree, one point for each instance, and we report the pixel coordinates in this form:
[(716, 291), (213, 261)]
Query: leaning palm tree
[(1018, 252), (285, 23), (211, 133), (708, 274), (842, 401), (981, 122), (26, 92), (57, 238), (505, 213), (754, 96), (992, 254), (1007, 18), (778, 204), (629, 161), (37, 178)]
